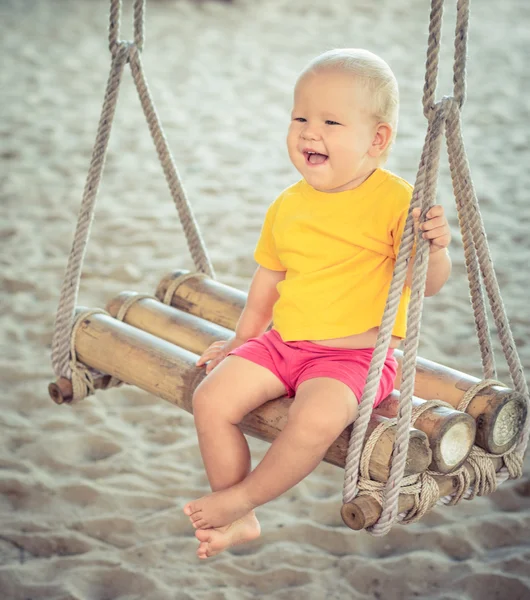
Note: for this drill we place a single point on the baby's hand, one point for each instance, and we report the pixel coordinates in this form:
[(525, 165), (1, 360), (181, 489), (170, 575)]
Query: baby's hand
[(217, 352), (435, 228)]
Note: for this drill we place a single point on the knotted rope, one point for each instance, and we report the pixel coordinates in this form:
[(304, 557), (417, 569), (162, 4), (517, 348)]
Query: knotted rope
[(122, 52), (422, 487), (442, 116), (82, 376)]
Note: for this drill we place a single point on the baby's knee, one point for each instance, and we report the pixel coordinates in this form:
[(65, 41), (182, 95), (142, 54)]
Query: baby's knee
[(203, 401), (318, 424), (211, 405)]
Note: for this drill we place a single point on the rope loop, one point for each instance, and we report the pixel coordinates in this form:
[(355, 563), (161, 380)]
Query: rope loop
[(115, 25), (433, 54)]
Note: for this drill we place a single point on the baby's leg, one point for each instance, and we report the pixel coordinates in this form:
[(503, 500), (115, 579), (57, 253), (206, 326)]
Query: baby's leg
[(233, 389), (323, 407)]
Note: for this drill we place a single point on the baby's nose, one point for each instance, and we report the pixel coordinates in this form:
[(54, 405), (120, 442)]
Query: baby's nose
[(310, 132)]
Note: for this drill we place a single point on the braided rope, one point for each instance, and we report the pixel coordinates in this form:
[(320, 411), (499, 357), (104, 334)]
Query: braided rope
[(410, 485), (423, 489), (473, 391), (424, 499), (462, 183), (475, 286), (360, 425), (121, 52), (139, 22), (124, 308), (485, 474), (442, 116), (418, 410), (70, 288), (464, 485), (82, 376), (191, 230), (433, 54), (369, 446), (176, 283)]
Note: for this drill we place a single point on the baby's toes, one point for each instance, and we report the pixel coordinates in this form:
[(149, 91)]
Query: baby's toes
[(203, 535), (190, 509), (202, 550), (201, 524)]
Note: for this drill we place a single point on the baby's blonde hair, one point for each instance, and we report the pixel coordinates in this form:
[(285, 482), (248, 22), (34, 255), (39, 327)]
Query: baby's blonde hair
[(373, 73)]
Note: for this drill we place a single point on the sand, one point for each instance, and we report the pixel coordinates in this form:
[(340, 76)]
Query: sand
[(91, 495)]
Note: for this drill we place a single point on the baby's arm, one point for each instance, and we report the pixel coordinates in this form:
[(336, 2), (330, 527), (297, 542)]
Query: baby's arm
[(262, 296), (435, 229), (255, 318)]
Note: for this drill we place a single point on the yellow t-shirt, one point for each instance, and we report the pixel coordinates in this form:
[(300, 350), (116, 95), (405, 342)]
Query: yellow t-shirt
[(338, 251)]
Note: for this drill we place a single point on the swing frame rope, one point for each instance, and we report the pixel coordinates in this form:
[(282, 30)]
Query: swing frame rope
[(122, 52)]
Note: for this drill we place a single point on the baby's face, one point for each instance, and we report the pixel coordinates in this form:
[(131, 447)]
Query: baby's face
[(331, 133)]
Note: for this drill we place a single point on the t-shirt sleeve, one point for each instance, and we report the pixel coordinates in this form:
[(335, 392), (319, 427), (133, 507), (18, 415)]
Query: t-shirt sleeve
[(265, 253)]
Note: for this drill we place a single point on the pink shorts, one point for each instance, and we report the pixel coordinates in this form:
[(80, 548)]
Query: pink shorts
[(295, 362)]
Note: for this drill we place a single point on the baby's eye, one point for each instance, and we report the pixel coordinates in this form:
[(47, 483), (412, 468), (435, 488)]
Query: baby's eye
[(299, 119), (328, 122)]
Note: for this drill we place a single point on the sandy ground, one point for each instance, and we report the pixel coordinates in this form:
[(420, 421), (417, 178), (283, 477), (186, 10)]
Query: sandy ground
[(91, 495)]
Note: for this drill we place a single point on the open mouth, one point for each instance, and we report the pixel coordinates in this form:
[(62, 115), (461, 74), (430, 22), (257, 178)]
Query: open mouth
[(314, 158)]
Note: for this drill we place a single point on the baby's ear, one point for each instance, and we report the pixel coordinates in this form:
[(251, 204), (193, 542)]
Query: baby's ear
[(382, 138)]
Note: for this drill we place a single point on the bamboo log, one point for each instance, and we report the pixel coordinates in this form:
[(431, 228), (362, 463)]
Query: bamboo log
[(451, 433), (168, 371), (204, 297), (173, 325), (499, 412), (365, 511)]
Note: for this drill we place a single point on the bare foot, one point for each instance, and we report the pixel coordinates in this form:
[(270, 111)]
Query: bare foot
[(219, 509), (213, 541)]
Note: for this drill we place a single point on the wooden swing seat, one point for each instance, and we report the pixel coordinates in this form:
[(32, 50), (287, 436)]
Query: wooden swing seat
[(154, 346)]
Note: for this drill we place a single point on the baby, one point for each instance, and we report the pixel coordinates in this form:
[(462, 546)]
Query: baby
[(325, 260)]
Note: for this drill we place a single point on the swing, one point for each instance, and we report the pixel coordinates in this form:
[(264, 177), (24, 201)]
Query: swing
[(439, 437)]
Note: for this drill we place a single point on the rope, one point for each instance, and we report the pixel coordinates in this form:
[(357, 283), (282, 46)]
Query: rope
[(70, 288), (417, 411), (462, 184), (121, 52), (194, 239), (442, 116), (124, 308), (473, 391), (369, 446), (82, 376), (176, 283), (426, 495), (464, 484), (422, 490)]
